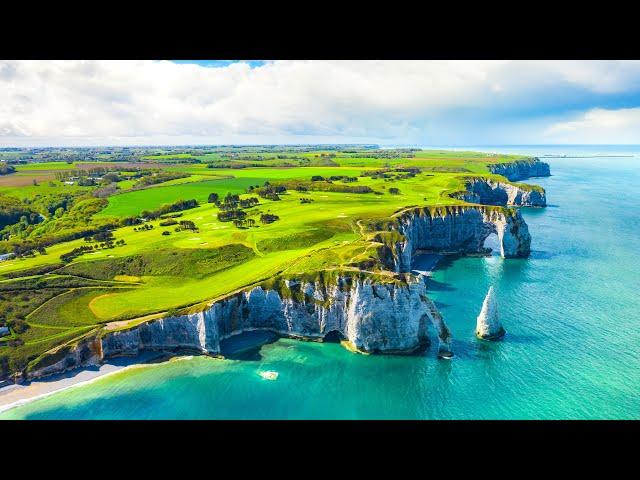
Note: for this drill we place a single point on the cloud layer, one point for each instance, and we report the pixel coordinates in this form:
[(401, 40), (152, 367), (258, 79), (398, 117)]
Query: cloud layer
[(417, 102)]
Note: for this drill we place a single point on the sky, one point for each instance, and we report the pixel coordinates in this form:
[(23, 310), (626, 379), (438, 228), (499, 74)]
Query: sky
[(456, 103)]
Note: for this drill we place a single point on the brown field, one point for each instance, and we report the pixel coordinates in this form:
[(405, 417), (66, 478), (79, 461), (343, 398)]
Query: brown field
[(24, 179)]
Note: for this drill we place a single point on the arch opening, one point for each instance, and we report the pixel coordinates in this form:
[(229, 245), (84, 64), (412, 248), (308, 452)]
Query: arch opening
[(491, 245), (334, 336)]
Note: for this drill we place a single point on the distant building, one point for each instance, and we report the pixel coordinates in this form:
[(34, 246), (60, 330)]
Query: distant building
[(6, 256), (4, 331), (69, 183)]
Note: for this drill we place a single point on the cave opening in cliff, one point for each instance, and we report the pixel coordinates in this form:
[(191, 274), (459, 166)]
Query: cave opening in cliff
[(334, 336), (491, 244)]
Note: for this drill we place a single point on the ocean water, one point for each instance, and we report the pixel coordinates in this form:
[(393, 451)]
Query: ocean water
[(571, 311)]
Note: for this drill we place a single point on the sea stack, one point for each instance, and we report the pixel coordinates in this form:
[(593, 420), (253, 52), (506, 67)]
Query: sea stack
[(488, 326)]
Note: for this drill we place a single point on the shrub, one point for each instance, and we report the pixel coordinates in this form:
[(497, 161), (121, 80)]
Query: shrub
[(268, 218)]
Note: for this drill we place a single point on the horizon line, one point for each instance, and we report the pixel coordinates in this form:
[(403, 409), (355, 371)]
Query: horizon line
[(395, 145)]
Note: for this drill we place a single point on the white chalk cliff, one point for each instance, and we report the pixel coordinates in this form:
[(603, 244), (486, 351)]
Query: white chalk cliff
[(489, 192), (372, 317), (488, 326), (456, 230)]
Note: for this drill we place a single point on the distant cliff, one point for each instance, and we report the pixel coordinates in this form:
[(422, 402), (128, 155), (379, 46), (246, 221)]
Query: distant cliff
[(521, 169), (373, 317), (489, 192), (453, 229)]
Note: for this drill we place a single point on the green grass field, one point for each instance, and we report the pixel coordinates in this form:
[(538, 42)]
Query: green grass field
[(153, 272)]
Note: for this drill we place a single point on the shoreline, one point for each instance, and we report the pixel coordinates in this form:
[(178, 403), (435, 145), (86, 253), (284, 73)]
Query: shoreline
[(15, 395)]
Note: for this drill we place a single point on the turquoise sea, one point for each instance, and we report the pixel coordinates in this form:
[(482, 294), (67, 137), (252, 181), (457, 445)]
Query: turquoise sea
[(571, 310)]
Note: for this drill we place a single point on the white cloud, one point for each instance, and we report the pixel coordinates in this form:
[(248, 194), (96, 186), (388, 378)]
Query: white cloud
[(599, 125), (102, 102)]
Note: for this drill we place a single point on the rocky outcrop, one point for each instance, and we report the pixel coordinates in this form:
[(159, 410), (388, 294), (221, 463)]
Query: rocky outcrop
[(488, 326), (489, 192), (521, 169), (84, 353), (374, 317), (456, 230)]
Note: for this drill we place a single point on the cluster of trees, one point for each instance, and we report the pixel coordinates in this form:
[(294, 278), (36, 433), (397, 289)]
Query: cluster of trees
[(76, 252), (306, 200), (12, 210), (270, 192), (232, 202), (49, 219), (389, 173), (186, 225), (249, 202), (168, 208), (394, 191), (229, 215), (334, 178), (101, 236), (146, 226), (168, 222), (244, 223), (268, 218), (231, 209), (28, 249), (129, 221)]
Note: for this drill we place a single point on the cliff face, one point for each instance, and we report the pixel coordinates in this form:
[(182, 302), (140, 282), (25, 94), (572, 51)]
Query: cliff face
[(521, 169), (86, 353), (460, 230), (489, 192), (372, 317)]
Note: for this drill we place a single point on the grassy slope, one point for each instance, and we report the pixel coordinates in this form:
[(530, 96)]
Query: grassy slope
[(324, 234)]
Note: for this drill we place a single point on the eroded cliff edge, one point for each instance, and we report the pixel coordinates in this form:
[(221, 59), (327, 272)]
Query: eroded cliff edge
[(373, 316), (458, 230), (491, 192)]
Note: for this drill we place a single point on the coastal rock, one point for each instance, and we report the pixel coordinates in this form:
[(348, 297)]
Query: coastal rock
[(489, 192), (457, 230), (488, 326), (521, 169), (373, 317), (87, 352)]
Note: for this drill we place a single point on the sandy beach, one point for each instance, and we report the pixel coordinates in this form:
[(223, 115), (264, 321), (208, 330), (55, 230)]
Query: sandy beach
[(14, 395)]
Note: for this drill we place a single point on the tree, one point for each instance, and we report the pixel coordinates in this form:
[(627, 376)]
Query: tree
[(213, 198), (394, 191)]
